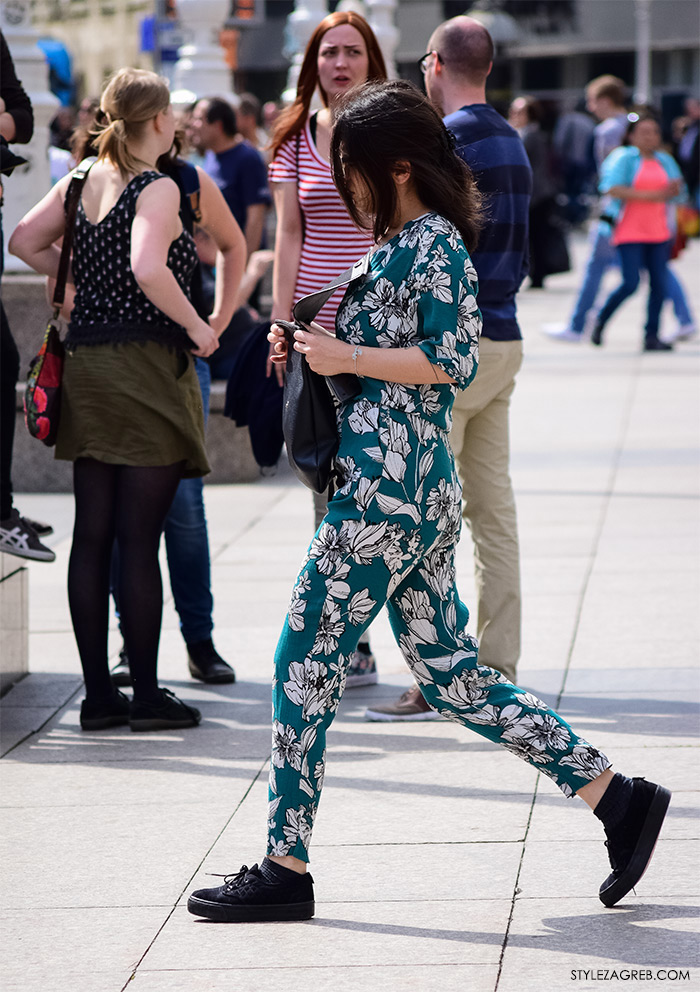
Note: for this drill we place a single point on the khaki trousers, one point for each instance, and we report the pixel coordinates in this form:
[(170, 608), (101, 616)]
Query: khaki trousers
[(480, 441)]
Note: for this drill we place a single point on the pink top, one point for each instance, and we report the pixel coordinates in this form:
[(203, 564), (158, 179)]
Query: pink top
[(641, 221), (332, 243)]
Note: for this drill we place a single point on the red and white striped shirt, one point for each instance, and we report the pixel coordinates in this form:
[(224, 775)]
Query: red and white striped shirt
[(332, 243)]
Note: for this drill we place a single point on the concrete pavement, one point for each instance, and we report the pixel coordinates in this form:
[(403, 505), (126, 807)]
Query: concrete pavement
[(441, 863)]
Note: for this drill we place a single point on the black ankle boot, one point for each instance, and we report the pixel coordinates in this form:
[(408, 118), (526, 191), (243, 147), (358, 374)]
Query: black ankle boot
[(597, 335), (632, 840)]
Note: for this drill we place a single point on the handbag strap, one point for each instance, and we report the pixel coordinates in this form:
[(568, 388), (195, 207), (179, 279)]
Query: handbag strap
[(308, 306), (75, 188)]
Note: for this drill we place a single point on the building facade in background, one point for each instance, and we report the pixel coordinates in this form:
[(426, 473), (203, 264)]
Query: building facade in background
[(549, 48)]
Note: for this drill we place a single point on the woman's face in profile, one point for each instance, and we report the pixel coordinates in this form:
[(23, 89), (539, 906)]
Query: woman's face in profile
[(342, 60)]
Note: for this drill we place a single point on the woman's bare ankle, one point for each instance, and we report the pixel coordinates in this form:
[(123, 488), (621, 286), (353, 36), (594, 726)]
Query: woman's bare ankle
[(287, 861)]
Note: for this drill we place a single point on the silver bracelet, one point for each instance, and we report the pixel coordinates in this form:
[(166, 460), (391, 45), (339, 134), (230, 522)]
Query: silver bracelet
[(355, 355)]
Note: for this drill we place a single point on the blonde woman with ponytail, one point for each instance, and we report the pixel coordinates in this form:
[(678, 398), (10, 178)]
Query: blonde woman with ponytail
[(131, 415)]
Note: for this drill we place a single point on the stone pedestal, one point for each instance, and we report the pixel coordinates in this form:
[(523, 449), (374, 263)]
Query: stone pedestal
[(201, 68), (29, 182), (380, 14), (14, 621)]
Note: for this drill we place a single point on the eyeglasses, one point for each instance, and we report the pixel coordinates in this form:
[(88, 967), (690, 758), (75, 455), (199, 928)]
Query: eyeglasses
[(423, 62)]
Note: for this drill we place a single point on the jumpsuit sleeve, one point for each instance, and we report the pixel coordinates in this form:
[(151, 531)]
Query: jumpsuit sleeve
[(449, 320)]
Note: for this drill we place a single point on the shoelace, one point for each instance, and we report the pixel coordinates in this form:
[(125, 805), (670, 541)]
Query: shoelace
[(233, 881)]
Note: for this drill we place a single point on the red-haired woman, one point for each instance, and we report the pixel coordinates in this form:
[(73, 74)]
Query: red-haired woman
[(316, 238)]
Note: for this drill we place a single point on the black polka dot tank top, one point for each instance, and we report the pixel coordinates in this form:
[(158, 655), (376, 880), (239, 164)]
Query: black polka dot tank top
[(109, 305)]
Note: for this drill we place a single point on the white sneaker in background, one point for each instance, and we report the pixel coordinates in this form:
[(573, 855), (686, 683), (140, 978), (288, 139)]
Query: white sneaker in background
[(681, 332), (561, 332)]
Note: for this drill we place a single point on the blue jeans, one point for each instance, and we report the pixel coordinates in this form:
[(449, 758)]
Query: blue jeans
[(187, 545), (603, 255), (633, 258)]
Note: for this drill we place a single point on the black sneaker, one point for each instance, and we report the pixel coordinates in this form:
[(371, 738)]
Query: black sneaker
[(207, 665), (43, 530), (597, 335), (114, 713), (251, 897), (18, 537), (631, 843), (656, 344), (121, 673), (172, 714)]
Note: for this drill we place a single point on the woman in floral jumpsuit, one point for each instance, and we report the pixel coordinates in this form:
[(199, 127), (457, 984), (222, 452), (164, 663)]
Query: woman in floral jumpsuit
[(409, 328)]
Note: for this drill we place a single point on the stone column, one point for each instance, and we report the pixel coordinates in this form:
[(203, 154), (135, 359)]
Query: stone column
[(380, 14), (201, 67), (300, 26), (29, 182), (642, 74)]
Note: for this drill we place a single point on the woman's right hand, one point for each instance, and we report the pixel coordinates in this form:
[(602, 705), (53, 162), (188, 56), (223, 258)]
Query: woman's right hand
[(204, 337), (278, 352)]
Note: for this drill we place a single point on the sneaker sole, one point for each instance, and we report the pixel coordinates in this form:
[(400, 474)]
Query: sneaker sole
[(104, 722), (30, 555), (222, 913), (375, 717), (225, 678), (153, 723), (355, 681), (643, 852)]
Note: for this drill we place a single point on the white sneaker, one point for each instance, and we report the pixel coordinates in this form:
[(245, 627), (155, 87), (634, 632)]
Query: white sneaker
[(562, 332), (681, 332)]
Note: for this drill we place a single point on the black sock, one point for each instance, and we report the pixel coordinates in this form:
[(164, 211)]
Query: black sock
[(273, 872), (615, 801), (364, 647)]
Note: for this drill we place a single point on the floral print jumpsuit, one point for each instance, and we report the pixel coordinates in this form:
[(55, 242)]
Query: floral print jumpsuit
[(389, 538)]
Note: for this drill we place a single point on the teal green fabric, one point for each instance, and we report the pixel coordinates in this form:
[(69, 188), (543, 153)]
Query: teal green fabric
[(389, 538)]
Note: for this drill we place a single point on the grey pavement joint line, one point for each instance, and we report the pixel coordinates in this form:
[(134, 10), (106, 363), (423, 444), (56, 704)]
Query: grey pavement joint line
[(607, 497), (189, 880), (516, 888), (253, 522)]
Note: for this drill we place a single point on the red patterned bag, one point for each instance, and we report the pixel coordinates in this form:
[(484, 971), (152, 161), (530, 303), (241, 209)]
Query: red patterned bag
[(42, 394)]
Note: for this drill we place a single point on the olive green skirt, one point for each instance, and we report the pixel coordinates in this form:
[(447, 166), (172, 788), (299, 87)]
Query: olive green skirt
[(132, 404)]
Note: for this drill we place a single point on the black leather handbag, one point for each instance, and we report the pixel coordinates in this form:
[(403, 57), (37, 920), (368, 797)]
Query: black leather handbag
[(309, 420)]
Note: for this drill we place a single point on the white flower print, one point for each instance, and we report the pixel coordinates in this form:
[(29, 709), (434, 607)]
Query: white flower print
[(431, 399), (442, 503), (438, 571), (285, 746), (466, 690), (337, 588), (330, 628), (295, 614), (397, 396), (383, 304), (393, 553), (365, 491), (310, 687), (278, 848), (366, 541), (495, 716), (328, 547), (587, 761), (349, 472), (298, 827), (542, 730), (525, 749), (441, 286), (364, 418), (422, 428), (394, 440), (360, 607), (418, 613)]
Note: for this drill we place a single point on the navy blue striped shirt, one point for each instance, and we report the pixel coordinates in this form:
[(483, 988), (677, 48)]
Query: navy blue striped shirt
[(494, 152)]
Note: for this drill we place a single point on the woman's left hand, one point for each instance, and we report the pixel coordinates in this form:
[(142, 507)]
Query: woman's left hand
[(324, 352)]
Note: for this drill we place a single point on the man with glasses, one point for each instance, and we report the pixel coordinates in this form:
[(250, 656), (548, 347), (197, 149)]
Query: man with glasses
[(455, 68)]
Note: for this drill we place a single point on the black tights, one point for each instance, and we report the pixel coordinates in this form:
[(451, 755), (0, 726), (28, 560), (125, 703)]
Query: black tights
[(130, 504)]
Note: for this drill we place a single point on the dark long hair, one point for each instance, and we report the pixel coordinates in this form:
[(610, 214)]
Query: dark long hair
[(291, 121), (380, 124)]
